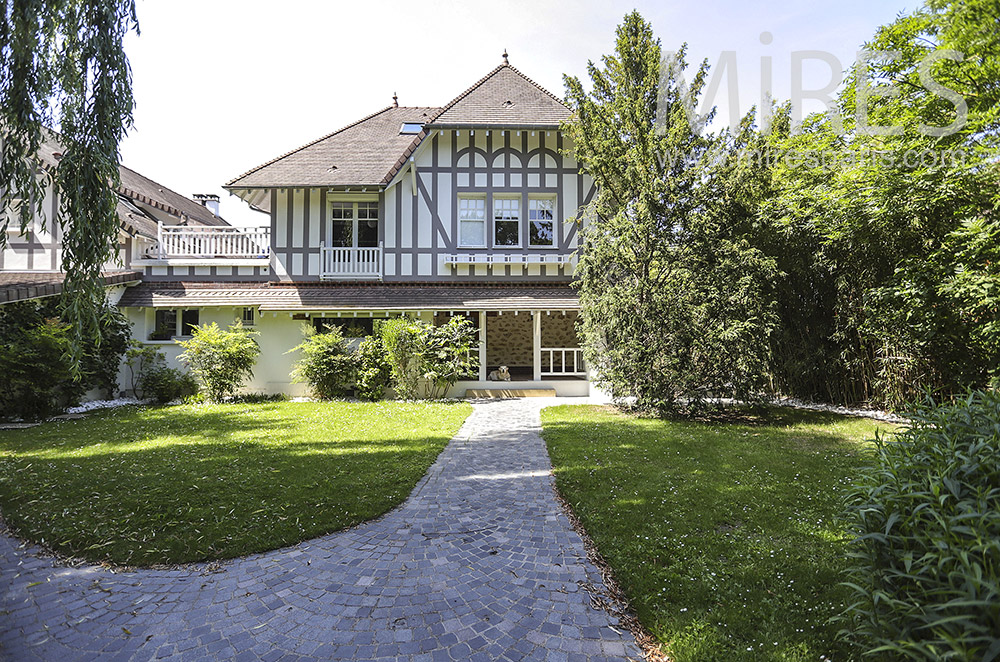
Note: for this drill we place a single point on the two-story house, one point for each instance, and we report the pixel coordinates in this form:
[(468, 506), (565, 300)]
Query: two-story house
[(427, 212)]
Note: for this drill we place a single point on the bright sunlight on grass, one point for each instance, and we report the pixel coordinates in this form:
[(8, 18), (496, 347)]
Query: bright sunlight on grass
[(723, 535), (143, 486)]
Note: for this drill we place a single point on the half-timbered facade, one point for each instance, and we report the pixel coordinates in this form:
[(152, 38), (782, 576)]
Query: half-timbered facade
[(465, 209)]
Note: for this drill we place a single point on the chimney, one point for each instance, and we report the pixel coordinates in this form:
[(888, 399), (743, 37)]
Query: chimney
[(208, 200)]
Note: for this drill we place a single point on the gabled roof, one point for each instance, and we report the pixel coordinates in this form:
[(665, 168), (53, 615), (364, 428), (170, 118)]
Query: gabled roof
[(141, 189), (146, 191), (372, 150), (366, 153), (504, 98)]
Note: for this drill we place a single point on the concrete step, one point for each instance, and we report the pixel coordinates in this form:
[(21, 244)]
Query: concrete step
[(510, 393)]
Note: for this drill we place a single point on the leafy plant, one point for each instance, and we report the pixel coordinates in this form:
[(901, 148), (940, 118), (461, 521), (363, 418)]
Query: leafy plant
[(926, 518), (427, 360), (139, 359), (449, 355), (38, 380), (327, 365), (374, 369), (405, 341), (221, 359), (164, 384)]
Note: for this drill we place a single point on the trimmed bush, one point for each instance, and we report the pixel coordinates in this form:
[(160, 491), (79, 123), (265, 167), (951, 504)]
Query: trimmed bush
[(221, 359), (428, 356), (327, 365), (927, 522)]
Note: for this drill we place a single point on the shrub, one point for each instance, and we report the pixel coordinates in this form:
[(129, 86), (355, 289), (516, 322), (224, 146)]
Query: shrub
[(405, 341), (448, 355), (374, 370), (438, 355), (927, 522), (327, 365), (164, 384), (221, 359), (37, 379)]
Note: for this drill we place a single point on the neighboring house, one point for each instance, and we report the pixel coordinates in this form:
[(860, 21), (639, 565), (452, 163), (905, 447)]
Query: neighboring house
[(31, 263)]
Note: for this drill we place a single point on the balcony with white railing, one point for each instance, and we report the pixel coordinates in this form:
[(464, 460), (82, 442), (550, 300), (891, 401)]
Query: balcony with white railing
[(348, 263), (212, 246)]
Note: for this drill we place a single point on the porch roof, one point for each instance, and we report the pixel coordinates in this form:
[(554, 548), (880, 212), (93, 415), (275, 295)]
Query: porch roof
[(275, 297), (24, 285)]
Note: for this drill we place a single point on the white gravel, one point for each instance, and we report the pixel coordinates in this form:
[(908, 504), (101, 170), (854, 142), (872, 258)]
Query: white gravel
[(877, 414), (105, 404)]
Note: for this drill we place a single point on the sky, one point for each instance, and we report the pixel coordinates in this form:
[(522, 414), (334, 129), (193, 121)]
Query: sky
[(222, 86)]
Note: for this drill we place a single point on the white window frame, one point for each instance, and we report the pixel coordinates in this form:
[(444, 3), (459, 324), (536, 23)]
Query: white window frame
[(502, 206), (248, 319), (464, 217), (551, 199), (354, 206)]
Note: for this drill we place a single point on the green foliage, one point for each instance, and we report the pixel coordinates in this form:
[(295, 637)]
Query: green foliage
[(327, 366), (140, 358), (221, 359), (449, 355), (38, 380), (427, 360), (405, 342), (62, 64), (34, 344), (103, 359), (163, 384), (926, 583), (675, 305), (374, 369), (154, 485)]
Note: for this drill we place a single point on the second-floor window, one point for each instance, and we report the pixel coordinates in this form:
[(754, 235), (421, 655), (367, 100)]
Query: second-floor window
[(472, 222), (507, 221), (354, 224), (541, 222)]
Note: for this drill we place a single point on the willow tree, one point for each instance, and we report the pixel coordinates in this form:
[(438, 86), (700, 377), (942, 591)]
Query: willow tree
[(674, 305), (63, 69)]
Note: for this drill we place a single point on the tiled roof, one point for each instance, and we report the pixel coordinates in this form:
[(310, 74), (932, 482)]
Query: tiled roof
[(146, 191), (504, 98), (368, 152), (20, 286), (141, 189), (371, 151), (310, 297)]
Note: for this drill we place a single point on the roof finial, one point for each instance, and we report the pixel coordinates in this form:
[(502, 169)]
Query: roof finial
[(505, 57), (395, 100)]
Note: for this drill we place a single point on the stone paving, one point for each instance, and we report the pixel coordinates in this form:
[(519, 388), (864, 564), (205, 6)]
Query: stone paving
[(479, 563)]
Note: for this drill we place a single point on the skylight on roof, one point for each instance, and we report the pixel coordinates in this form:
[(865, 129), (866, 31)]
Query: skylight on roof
[(411, 128)]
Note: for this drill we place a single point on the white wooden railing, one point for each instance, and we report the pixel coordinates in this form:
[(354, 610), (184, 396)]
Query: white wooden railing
[(212, 242), (560, 361), (500, 259), (336, 262)]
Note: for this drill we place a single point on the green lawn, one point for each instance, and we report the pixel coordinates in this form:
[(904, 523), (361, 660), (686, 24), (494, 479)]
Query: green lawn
[(724, 536), (142, 486)]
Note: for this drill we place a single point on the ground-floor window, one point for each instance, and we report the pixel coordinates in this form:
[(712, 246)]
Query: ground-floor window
[(174, 322)]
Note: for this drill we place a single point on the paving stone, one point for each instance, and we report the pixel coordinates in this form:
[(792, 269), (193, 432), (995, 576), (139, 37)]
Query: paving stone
[(472, 566)]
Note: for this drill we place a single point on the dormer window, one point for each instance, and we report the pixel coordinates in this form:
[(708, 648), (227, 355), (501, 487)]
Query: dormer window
[(411, 128)]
